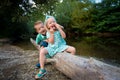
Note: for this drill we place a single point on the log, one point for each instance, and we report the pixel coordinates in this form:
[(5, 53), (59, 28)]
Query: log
[(4, 40), (81, 68)]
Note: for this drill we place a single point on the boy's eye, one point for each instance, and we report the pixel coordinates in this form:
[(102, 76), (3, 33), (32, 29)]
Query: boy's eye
[(38, 28), (41, 26)]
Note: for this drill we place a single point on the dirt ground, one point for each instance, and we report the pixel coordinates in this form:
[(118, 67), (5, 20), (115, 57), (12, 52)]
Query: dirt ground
[(19, 64)]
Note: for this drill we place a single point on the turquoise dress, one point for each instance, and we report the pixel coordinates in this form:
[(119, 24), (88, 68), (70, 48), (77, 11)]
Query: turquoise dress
[(58, 46)]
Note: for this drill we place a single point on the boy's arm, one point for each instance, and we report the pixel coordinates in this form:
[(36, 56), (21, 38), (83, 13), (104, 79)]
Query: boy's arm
[(37, 42), (38, 39)]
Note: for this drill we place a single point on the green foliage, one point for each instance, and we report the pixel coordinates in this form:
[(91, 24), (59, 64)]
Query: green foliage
[(12, 21), (107, 16), (63, 12), (74, 13), (80, 15), (17, 22)]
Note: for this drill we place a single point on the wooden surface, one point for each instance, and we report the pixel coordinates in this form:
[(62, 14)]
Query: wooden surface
[(80, 68)]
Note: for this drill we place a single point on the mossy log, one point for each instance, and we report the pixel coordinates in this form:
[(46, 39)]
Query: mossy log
[(80, 68)]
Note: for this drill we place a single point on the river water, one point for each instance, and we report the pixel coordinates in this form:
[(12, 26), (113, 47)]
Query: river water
[(106, 49)]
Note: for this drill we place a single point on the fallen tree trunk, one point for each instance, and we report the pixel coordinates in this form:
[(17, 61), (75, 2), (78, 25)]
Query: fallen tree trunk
[(80, 68)]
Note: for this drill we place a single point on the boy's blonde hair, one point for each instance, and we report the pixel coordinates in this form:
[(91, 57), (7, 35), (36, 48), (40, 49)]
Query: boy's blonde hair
[(37, 22)]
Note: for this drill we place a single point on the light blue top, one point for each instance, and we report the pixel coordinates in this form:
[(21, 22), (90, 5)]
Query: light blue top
[(58, 46)]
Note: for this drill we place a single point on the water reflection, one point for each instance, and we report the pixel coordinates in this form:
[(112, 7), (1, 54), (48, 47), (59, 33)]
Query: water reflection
[(103, 48)]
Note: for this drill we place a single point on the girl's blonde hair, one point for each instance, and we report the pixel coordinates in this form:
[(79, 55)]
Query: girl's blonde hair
[(46, 19)]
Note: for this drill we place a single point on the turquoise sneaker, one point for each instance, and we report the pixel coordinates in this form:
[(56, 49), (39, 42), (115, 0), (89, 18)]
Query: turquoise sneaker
[(41, 73)]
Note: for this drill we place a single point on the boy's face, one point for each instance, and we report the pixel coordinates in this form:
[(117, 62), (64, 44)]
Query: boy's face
[(40, 28)]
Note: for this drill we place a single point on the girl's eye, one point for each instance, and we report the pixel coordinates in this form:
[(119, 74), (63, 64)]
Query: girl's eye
[(51, 22)]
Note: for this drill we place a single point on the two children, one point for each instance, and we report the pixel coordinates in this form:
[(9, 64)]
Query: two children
[(41, 36), (56, 43)]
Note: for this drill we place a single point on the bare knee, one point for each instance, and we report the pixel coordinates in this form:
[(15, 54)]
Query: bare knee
[(43, 51), (73, 50)]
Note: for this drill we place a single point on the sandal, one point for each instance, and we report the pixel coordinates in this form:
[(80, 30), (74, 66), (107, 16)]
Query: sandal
[(41, 73)]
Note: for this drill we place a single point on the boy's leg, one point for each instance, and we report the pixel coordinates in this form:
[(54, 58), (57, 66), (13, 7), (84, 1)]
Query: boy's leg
[(71, 49), (37, 66)]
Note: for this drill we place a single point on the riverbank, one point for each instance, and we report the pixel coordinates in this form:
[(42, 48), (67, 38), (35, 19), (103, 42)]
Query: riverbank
[(19, 64)]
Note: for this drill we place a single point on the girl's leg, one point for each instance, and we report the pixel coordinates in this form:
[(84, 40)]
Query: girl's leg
[(42, 57), (71, 49), (38, 64)]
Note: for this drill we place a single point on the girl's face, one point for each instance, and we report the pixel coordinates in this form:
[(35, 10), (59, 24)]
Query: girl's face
[(51, 23)]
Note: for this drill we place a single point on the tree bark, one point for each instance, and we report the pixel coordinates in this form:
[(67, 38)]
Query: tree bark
[(80, 68)]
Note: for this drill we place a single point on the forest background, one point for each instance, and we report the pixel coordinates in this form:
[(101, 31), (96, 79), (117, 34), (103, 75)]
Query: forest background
[(78, 17)]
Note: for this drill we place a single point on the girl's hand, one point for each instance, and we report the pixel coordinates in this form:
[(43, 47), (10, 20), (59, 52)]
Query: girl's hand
[(51, 31), (58, 26), (51, 39)]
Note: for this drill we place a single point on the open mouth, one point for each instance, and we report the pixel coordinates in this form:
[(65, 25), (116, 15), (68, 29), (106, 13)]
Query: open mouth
[(43, 31), (53, 27)]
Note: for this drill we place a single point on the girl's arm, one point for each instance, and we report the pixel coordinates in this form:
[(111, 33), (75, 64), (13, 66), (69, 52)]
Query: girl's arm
[(59, 27)]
